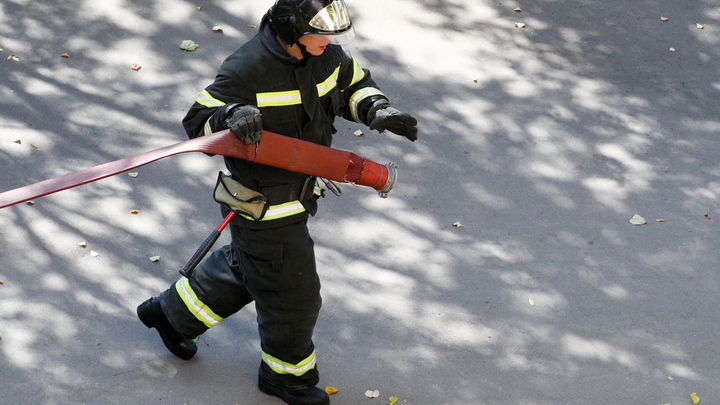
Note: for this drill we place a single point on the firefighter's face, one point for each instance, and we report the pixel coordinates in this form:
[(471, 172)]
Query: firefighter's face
[(315, 44)]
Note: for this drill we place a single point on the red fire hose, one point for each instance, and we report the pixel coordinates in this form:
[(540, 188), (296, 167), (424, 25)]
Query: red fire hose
[(273, 150)]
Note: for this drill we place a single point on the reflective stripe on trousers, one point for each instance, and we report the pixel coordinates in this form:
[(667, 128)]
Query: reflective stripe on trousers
[(202, 312), (282, 367)]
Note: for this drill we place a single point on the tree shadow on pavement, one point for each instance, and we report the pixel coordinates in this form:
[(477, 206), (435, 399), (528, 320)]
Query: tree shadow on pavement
[(540, 142)]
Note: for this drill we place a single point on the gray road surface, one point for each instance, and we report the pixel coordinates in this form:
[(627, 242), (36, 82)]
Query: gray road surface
[(542, 142)]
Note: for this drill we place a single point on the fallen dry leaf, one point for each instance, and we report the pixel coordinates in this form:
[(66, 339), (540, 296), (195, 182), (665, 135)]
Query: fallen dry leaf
[(330, 390), (638, 220), (133, 174), (217, 29), (519, 25), (694, 398), (707, 216), (82, 244), (34, 145), (94, 253), (31, 202), (531, 302), (65, 55), (18, 141), (155, 259), (135, 67), (474, 80), (393, 399), (14, 57), (134, 211), (2, 282), (659, 220), (252, 26), (199, 7), (372, 394), (699, 26), (517, 9), (664, 18), (188, 45)]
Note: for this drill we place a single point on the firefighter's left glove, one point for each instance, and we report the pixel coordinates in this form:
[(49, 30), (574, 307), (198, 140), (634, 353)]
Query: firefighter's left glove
[(394, 121), (245, 122)]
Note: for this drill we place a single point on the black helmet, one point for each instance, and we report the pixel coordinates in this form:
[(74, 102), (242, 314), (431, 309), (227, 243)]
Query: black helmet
[(292, 19)]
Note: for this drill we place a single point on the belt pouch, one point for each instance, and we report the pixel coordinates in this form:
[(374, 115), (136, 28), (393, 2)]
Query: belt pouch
[(240, 198)]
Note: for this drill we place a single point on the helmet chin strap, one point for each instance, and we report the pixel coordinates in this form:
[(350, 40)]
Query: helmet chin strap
[(304, 51)]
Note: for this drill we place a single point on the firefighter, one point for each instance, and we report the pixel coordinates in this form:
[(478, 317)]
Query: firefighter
[(292, 78)]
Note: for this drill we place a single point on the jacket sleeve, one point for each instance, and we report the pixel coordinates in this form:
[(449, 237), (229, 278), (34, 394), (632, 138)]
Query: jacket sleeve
[(211, 108), (359, 90)]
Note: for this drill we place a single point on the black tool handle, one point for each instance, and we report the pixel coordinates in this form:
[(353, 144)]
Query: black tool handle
[(205, 247), (200, 253)]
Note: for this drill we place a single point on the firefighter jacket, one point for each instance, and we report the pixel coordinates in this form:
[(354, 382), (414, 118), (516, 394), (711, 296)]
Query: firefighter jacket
[(297, 98)]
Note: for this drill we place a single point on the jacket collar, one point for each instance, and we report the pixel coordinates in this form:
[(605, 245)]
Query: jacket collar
[(269, 39)]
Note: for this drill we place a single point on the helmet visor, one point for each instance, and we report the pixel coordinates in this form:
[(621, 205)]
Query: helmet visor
[(333, 21), (336, 38)]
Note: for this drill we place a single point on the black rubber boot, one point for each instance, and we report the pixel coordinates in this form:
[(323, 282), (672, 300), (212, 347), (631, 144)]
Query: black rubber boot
[(308, 396), (152, 315)]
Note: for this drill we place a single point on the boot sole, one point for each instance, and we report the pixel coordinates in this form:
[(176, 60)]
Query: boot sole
[(268, 389), (150, 325)]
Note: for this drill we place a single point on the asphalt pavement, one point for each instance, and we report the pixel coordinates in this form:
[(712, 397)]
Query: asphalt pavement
[(502, 269)]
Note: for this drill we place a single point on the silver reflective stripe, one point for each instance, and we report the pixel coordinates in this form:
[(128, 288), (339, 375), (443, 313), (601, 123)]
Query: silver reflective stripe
[(358, 97), (209, 101), (278, 98), (358, 73), (207, 128), (329, 83), (293, 97), (201, 311), (283, 210), (282, 367)]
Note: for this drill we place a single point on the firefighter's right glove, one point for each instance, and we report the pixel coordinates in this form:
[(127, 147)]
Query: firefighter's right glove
[(394, 121), (245, 122)]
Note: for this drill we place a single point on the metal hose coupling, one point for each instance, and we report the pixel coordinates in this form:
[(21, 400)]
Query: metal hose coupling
[(391, 179)]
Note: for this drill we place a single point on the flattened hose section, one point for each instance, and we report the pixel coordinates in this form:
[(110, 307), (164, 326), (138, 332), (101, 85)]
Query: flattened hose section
[(316, 160), (273, 150)]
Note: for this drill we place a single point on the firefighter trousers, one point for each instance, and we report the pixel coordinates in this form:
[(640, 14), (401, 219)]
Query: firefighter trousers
[(274, 267)]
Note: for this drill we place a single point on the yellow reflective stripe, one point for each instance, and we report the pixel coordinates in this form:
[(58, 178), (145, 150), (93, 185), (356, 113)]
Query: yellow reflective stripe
[(278, 98), (358, 97), (283, 367), (195, 306), (358, 73), (292, 97), (329, 83), (209, 101), (281, 211), (207, 128)]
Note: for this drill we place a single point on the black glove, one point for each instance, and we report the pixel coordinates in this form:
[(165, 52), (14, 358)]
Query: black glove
[(245, 123), (400, 123)]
